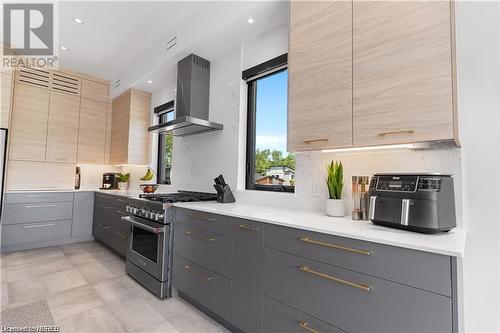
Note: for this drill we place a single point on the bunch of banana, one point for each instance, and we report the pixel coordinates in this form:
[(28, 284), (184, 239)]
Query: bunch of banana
[(149, 175)]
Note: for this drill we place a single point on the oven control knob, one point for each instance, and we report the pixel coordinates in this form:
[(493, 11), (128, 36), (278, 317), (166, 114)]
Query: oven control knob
[(159, 217), (135, 210), (147, 214)]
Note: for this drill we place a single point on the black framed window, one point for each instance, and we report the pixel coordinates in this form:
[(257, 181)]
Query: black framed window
[(269, 166), (165, 112)]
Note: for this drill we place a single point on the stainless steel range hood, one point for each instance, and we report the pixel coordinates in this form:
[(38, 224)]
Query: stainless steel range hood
[(192, 100)]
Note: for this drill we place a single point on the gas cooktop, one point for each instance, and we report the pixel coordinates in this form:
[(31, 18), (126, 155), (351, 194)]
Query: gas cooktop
[(180, 196)]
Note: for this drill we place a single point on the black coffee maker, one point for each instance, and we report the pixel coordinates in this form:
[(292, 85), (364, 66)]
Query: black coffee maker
[(109, 181)]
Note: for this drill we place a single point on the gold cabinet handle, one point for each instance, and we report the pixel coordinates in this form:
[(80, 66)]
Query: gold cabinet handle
[(305, 325), (120, 235), (189, 233), (363, 287), (202, 218), (397, 132), (316, 140), (334, 246), (203, 276), (106, 227), (247, 227)]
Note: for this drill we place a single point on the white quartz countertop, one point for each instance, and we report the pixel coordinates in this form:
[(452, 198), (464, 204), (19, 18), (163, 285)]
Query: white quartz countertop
[(451, 243)]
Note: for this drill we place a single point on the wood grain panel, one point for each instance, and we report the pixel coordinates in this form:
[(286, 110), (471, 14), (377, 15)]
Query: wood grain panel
[(402, 62), (320, 75), (140, 120), (28, 133), (95, 90), (6, 98), (25, 175), (92, 131), (62, 132), (107, 149), (120, 129)]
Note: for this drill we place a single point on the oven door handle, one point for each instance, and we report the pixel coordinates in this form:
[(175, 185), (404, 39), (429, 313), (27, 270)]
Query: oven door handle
[(143, 226)]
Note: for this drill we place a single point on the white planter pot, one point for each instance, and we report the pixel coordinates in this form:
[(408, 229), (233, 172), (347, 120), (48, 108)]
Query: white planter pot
[(335, 207), (122, 186)]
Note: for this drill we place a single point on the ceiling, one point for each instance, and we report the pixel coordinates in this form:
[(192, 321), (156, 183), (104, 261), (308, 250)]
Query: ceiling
[(127, 40)]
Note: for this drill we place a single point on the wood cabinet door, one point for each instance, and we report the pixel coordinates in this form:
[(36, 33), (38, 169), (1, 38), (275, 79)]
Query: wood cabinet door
[(29, 123), (402, 72), (6, 93), (140, 120), (320, 75), (62, 133), (95, 90), (92, 131)]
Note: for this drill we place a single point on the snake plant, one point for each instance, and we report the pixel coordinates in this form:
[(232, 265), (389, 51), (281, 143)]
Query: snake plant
[(335, 179)]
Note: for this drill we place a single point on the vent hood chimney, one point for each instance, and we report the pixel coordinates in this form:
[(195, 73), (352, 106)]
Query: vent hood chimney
[(192, 100)]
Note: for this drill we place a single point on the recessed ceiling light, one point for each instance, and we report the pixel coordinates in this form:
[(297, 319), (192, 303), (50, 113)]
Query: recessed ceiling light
[(77, 20), (149, 81), (64, 48), (250, 20)]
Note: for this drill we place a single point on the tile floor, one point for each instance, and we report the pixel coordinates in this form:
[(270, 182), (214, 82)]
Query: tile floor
[(87, 290)]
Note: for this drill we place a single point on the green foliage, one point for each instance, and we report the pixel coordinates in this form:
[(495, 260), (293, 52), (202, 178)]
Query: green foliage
[(264, 159), (335, 179), (123, 177)]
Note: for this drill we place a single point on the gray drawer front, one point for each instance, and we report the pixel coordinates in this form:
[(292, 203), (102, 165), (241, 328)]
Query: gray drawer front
[(387, 307), (31, 197), (211, 290), (280, 318), (115, 201), (37, 212), (83, 209), (206, 221), (35, 232), (423, 270), (209, 250)]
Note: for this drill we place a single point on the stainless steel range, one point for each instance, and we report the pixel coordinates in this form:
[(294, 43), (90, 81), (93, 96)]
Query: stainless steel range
[(149, 253)]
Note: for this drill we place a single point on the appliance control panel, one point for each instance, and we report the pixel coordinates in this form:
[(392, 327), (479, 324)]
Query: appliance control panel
[(145, 213), (406, 183)]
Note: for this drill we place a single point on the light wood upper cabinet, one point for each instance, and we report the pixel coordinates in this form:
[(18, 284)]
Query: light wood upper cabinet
[(107, 149), (6, 98), (92, 131), (403, 72), (130, 137), (62, 131), (95, 90), (320, 75), (28, 132)]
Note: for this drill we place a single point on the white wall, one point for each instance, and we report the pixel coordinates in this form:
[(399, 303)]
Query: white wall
[(478, 93)]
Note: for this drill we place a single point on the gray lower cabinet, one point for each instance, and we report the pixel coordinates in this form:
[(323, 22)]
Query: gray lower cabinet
[(83, 208), (248, 269), (353, 301), (37, 219), (281, 318), (108, 227), (272, 279)]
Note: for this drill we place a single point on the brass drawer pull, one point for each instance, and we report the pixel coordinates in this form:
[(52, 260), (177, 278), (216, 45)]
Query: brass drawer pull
[(333, 278), (247, 227), (120, 235), (334, 246), (208, 219), (316, 140), (200, 237), (397, 132), (190, 270), (106, 227), (305, 325), (122, 213)]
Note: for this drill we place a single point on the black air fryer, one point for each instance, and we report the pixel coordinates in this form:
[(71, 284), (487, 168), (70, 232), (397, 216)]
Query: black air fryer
[(418, 202)]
